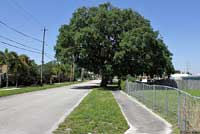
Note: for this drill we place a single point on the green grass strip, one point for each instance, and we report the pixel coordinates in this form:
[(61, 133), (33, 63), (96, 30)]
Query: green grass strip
[(98, 113), (194, 92), (33, 88)]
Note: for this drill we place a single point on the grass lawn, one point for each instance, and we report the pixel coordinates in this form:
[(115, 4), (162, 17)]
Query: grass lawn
[(33, 88), (194, 92), (98, 113)]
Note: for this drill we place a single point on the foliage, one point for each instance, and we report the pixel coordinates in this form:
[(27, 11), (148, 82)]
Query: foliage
[(123, 85), (145, 52), (131, 78), (19, 67), (53, 68), (24, 71), (113, 42), (98, 113)]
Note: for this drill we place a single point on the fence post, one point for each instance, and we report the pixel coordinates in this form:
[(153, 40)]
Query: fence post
[(179, 109), (185, 115), (131, 88), (142, 92), (154, 98), (166, 101), (127, 87)]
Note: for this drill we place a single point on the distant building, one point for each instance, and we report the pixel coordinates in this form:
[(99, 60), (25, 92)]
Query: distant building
[(3, 69), (179, 76), (193, 77)]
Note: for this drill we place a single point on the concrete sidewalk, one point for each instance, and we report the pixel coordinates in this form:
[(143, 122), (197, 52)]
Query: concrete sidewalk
[(140, 119)]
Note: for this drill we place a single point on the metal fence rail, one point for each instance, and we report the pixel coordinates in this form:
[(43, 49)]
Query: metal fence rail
[(177, 106)]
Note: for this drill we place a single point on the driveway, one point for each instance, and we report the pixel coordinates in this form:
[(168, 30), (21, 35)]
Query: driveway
[(40, 112)]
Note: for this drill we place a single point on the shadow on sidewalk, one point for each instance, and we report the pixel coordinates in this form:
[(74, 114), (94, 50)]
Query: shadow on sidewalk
[(111, 87)]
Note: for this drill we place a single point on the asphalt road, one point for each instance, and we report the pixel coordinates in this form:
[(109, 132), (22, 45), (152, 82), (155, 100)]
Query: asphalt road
[(40, 112)]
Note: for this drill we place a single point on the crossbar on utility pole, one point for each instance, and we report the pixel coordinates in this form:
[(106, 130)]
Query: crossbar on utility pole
[(43, 42)]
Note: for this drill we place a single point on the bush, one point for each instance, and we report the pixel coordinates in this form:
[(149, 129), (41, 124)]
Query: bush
[(131, 78), (123, 85)]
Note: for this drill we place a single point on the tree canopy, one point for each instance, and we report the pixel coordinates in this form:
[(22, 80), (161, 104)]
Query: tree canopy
[(23, 71), (19, 67), (111, 42)]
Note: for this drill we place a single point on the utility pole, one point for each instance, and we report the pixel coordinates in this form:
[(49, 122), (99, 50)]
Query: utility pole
[(187, 67), (43, 43)]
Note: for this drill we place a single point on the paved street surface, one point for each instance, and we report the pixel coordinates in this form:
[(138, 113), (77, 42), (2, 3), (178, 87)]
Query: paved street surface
[(143, 121), (39, 112)]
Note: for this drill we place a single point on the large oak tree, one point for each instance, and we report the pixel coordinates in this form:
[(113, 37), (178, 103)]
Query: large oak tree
[(112, 42)]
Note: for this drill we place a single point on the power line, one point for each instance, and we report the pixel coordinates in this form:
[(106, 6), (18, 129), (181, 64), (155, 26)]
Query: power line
[(49, 57), (17, 4), (8, 44), (46, 54), (6, 38), (25, 35), (19, 32)]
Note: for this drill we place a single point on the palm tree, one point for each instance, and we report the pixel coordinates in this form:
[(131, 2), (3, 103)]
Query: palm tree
[(6, 60), (2, 58), (12, 62), (15, 65), (20, 66), (2, 61), (27, 68)]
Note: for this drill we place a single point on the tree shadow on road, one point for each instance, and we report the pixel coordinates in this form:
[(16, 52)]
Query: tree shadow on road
[(111, 87), (84, 87)]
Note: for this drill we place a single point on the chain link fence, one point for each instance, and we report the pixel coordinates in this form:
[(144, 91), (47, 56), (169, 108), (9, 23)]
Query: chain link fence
[(178, 107), (188, 84)]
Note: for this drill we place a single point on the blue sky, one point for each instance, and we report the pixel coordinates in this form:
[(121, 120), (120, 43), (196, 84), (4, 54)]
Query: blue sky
[(177, 20)]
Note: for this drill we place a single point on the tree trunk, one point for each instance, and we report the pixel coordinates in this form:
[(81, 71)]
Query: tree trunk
[(82, 74), (16, 80), (16, 83), (0, 81), (70, 73), (104, 81), (59, 77), (119, 83)]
